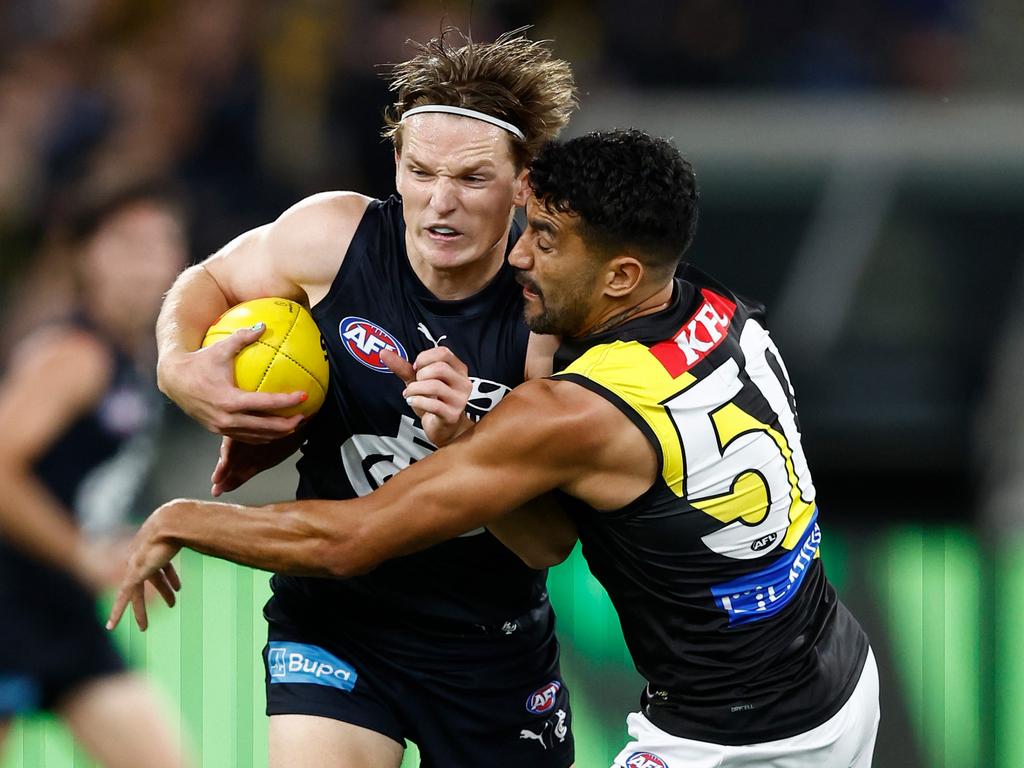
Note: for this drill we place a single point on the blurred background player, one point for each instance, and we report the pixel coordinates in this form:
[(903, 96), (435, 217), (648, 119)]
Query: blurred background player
[(453, 648), (78, 410)]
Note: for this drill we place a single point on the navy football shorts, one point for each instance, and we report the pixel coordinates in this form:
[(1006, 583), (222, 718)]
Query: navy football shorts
[(54, 642), (485, 696)]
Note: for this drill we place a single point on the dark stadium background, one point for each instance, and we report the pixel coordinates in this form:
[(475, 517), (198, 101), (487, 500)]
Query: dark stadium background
[(862, 172)]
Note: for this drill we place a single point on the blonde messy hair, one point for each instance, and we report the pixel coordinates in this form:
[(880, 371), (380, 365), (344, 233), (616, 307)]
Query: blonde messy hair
[(513, 79)]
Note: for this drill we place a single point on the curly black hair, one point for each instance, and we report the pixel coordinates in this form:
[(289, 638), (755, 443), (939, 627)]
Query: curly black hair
[(631, 191)]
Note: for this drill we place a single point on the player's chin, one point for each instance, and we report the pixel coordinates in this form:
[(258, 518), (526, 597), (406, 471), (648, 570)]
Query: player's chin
[(451, 253), (535, 317)]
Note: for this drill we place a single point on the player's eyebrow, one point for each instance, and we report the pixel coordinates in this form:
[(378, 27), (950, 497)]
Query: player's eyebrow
[(475, 167), (543, 225)]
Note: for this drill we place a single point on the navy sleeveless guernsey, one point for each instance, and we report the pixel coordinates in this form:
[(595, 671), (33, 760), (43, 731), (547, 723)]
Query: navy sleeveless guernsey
[(366, 432), (98, 466), (54, 642)]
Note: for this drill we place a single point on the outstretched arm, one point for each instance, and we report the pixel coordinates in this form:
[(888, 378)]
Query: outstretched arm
[(517, 453)]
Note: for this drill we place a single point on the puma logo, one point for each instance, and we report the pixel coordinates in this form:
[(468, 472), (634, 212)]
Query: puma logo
[(554, 728), (422, 328), (525, 734)]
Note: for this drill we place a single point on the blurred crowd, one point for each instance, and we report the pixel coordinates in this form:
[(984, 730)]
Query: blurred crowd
[(250, 104)]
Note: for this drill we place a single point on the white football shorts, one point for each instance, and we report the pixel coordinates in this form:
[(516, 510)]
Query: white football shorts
[(846, 740)]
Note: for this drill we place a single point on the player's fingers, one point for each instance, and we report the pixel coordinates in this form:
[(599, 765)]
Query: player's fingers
[(254, 428), (443, 371), (425, 405), (439, 390), (226, 484), (448, 413), (398, 365), (222, 462), (228, 348), (230, 482), (138, 598), (440, 355), (172, 577), (250, 437), (163, 586), (117, 611), (263, 402)]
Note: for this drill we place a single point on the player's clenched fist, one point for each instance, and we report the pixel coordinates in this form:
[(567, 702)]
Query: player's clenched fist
[(202, 383), (437, 388)]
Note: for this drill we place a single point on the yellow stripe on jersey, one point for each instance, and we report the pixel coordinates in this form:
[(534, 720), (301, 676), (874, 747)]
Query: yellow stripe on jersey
[(743, 501), (628, 369)]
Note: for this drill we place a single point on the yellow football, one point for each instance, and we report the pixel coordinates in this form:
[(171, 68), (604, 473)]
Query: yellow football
[(288, 357)]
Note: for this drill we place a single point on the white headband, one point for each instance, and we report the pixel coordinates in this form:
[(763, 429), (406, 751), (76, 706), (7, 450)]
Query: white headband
[(465, 113)]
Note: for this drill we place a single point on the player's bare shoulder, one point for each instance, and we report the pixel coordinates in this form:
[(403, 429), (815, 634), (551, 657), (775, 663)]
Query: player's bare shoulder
[(296, 256), (314, 235)]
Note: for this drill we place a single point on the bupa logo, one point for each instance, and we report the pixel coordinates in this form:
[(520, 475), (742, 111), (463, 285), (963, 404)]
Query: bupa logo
[(645, 760), (542, 700), (365, 341), (698, 337), (277, 662), (308, 664)]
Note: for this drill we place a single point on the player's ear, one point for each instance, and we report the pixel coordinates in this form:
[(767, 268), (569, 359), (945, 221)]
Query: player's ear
[(624, 273), (398, 159), (522, 188)]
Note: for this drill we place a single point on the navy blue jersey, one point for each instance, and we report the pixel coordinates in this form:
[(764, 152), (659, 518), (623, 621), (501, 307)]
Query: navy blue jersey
[(366, 432), (98, 465)]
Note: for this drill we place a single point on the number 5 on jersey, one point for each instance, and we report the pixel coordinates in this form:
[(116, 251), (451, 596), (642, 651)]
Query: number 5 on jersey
[(744, 464)]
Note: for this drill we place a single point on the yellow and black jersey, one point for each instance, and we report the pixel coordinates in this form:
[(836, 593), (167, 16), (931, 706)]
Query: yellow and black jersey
[(714, 571)]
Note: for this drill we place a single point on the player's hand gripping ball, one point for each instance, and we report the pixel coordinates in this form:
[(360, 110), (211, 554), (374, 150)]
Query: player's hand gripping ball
[(288, 357)]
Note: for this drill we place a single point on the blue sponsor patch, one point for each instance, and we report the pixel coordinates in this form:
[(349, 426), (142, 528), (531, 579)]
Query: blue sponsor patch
[(759, 595), (309, 665)]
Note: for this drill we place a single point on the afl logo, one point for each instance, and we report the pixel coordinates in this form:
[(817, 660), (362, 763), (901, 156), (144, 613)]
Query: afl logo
[(645, 760), (365, 341), (542, 700)]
